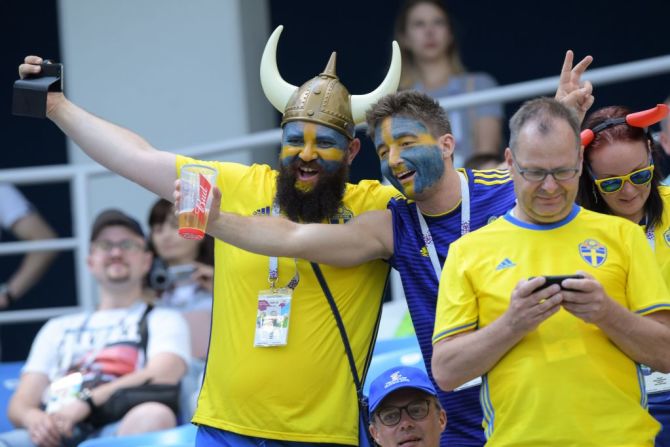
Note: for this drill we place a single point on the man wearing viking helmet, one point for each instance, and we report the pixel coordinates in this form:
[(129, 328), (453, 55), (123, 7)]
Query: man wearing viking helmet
[(296, 385)]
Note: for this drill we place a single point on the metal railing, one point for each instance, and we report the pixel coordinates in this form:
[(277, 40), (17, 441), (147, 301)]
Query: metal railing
[(79, 175)]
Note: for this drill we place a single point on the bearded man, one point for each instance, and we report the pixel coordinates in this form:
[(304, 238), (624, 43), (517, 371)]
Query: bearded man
[(292, 383)]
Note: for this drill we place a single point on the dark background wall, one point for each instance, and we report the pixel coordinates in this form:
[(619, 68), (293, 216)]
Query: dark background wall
[(31, 27), (512, 40)]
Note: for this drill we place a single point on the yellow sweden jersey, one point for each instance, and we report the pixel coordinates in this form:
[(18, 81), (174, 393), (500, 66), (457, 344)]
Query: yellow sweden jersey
[(564, 383), (303, 391)]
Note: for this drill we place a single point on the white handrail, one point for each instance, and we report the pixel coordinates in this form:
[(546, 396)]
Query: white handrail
[(80, 174), (65, 243), (522, 90)]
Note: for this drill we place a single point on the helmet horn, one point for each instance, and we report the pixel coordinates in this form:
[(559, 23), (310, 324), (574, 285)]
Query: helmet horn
[(361, 103), (276, 89)]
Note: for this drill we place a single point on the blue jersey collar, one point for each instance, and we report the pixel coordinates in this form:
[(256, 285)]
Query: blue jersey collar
[(567, 219)]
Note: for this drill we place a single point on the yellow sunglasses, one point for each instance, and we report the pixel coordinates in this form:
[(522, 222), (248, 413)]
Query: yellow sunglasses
[(613, 184)]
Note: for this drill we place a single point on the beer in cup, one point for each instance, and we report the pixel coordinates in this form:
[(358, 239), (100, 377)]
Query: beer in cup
[(197, 182)]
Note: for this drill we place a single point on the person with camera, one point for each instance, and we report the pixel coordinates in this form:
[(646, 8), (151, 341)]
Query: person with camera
[(182, 278), (182, 274), (249, 382), (111, 372), (561, 360)]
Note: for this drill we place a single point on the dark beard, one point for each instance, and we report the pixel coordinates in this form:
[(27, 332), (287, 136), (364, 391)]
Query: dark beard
[(316, 205)]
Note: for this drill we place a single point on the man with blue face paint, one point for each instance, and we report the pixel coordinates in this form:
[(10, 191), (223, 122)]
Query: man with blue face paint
[(415, 146), (260, 390)]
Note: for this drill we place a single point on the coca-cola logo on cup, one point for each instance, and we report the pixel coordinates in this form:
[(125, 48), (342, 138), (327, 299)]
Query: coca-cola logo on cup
[(201, 204)]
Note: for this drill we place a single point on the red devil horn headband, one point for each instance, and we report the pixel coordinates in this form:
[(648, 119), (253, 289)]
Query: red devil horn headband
[(644, 118)]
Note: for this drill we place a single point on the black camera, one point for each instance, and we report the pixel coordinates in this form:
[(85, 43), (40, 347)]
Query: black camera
[(162, 277)]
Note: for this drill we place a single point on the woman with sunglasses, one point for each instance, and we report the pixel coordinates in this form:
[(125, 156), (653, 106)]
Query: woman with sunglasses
[(619, 178)]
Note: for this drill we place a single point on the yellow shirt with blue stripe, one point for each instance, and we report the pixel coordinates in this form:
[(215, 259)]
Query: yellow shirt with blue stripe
[(662, 235), (302, 391), (565, 383)]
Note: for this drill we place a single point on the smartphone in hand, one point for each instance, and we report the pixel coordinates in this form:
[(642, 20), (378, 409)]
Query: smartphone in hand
[(556, 279)]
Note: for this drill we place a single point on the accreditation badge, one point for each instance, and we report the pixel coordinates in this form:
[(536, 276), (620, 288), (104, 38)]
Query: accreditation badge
[(654, 381), (273, 317), (63, 391)]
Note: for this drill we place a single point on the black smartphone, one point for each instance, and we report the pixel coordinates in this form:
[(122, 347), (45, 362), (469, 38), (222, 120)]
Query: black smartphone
[(48, 69), (556, 279), (51, 69)]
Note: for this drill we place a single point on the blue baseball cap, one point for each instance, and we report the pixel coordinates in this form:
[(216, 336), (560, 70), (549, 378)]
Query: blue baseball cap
[(395, 379)]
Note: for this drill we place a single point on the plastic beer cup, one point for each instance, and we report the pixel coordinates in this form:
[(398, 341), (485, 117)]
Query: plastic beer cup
[(197, 182)]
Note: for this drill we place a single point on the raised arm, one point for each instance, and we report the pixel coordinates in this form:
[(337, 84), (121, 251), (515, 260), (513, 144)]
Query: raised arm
[(364, 238), (114, 147), (572, 91)]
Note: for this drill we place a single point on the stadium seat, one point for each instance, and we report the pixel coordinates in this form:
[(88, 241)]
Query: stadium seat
[(394, 344), (182, 436), (9, 379)]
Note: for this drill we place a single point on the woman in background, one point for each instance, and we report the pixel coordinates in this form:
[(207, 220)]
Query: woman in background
[(432, 64), (619, 177), (182, 279), (183, 271)]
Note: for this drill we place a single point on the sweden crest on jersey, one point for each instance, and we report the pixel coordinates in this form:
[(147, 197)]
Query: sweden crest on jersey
[(593, 252)]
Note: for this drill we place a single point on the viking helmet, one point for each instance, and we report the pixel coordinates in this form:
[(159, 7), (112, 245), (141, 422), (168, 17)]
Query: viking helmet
[(323, 99)]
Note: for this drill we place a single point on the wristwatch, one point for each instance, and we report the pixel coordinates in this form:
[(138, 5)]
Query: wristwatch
[(85, 395)]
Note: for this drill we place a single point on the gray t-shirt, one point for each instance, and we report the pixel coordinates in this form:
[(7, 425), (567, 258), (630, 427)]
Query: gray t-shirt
[(463, 120)]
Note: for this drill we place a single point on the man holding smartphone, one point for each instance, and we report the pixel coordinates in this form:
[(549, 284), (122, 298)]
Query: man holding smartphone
[(561, 361), (414, 143)]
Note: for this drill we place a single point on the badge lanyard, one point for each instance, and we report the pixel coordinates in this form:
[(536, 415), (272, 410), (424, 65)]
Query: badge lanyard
[(465, 224), (430, 245), (273, 274), (274, 306), (655, 382)]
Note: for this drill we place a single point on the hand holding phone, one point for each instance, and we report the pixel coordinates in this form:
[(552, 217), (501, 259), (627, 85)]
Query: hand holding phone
[(556, 279), (30, 93)]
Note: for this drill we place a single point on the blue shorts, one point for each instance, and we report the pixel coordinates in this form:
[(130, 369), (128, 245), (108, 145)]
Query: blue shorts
[(659, 407)]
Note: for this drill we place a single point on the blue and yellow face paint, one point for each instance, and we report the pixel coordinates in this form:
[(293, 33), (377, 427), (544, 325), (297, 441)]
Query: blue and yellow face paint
[(410, 157), (312, 142)]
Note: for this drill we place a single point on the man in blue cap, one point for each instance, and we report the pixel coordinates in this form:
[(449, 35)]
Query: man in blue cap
[(409, 389)]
